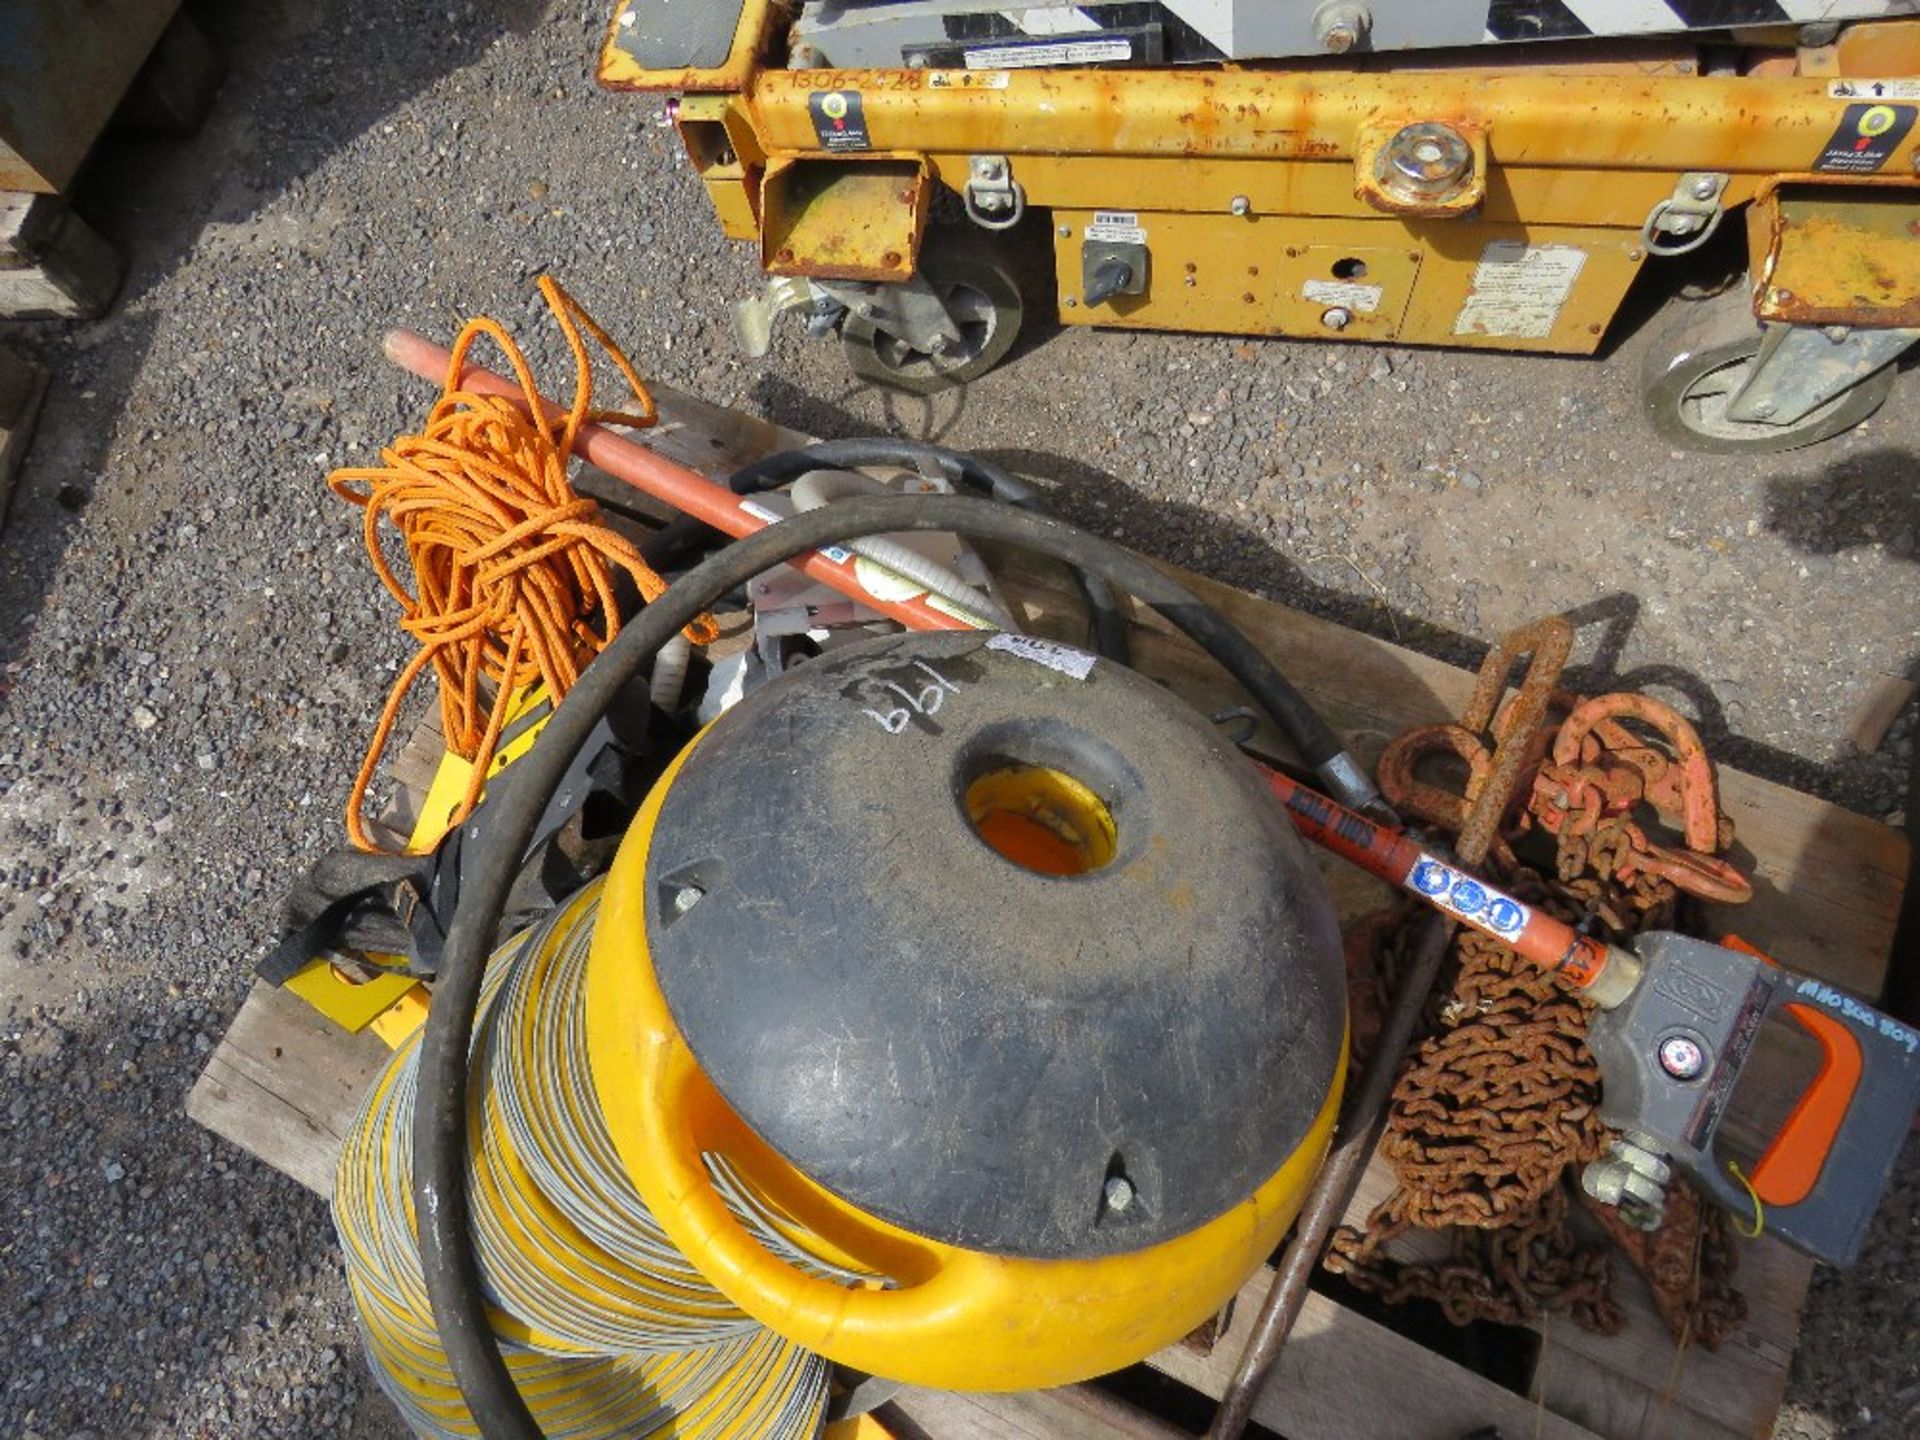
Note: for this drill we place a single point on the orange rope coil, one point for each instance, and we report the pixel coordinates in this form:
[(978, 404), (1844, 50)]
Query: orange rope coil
[(513, 571)]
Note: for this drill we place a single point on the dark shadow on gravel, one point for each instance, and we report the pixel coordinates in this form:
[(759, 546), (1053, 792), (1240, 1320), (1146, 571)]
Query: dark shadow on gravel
[(305, 79), (1872, 497)]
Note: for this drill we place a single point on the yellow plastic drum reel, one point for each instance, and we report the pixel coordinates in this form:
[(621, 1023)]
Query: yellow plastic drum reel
[(995, 973)]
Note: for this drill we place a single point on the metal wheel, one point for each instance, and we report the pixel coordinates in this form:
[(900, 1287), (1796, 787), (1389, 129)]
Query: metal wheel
[(980, 293), (1699, 362)]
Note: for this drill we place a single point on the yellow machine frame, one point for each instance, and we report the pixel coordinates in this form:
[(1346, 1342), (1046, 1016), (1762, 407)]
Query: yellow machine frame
[(1257, 190)]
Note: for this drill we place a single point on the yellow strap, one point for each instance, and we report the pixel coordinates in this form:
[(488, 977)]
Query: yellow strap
[(1759, 1210)]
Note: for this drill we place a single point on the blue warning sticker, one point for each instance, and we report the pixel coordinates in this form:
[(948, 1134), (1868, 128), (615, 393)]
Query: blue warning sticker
[(1460, 895)]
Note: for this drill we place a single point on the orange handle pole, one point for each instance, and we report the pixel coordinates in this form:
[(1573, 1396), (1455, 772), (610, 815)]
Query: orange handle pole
[(678, 486), (1393, 857), (1400, 860)]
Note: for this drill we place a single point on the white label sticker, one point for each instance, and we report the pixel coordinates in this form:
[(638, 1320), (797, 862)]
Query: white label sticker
[(1054, 20), (967, 79), (1050, 653), (1875, 89), (1472, 900), (1518, 289), (1361, 299), (1122, 227), (1072, 52)]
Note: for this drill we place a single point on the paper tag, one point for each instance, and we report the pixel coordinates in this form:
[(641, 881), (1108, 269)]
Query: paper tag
[(1073, 52), (1121, 227), (1905, 89), (1518, 289), (1050, 653), (967, 79), (1361, 299)]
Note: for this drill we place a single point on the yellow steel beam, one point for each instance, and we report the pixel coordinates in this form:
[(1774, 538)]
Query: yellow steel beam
[(1736, 123)]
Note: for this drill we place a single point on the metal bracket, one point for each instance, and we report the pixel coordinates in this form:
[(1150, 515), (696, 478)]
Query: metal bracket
[(909, 309), (994, 199), (1690, 215), (1799, 368), (753, 317)]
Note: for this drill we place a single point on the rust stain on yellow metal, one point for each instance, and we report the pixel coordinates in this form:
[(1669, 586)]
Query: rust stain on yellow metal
[(1260, 180), (1393, 281), (1674, 123), (1885, 48), (843, 219), (1837, 254)]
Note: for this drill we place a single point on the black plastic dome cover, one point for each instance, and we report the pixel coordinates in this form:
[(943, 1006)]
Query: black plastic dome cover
[(964, 1047)]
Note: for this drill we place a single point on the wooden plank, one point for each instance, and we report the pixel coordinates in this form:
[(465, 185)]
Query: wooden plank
[(1342, 1376), (284, 1085), (1827, 894), (63, 69), (1075, 1412), (1827, 877)]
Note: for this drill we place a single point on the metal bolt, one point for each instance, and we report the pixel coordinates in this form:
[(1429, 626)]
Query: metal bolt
[(1764, 408), (1239, 205), (1191, 281), (989, 169), (1341, 27), (686, 897), (1681, 224), (1837, 333), (1705, 188), (864, 309), (916, 62), (1426, 160), (1337, 317), (1066, 232), (1118, 1193), (1071, 302), (1682, 1057)]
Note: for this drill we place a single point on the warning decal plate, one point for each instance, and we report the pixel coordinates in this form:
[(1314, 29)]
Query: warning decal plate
[(1865, 137), (1519, 289)]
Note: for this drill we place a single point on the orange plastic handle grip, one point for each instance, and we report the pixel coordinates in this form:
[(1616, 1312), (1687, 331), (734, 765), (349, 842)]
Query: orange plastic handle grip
[(1794, 1159)]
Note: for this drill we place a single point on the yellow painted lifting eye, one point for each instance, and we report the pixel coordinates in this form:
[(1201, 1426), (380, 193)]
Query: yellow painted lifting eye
[(1041, 819)]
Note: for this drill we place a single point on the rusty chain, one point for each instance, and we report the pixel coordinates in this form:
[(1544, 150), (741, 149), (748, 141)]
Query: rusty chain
[(1502, 1097)]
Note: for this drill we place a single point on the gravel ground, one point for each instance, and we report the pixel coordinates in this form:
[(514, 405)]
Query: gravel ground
[(193, 647)]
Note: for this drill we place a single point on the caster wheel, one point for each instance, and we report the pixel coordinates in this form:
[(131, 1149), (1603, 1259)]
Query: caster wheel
[(1698, 363), (980, 293)]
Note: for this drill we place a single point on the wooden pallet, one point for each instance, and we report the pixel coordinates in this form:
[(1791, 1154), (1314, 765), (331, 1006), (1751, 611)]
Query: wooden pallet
[(283, 1084)]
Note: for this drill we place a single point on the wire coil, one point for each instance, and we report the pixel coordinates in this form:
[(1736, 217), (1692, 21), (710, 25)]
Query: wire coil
[(605, 1327)]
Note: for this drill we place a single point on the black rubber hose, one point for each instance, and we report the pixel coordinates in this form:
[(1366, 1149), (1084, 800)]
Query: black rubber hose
[(685, 536), (520, 797)]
